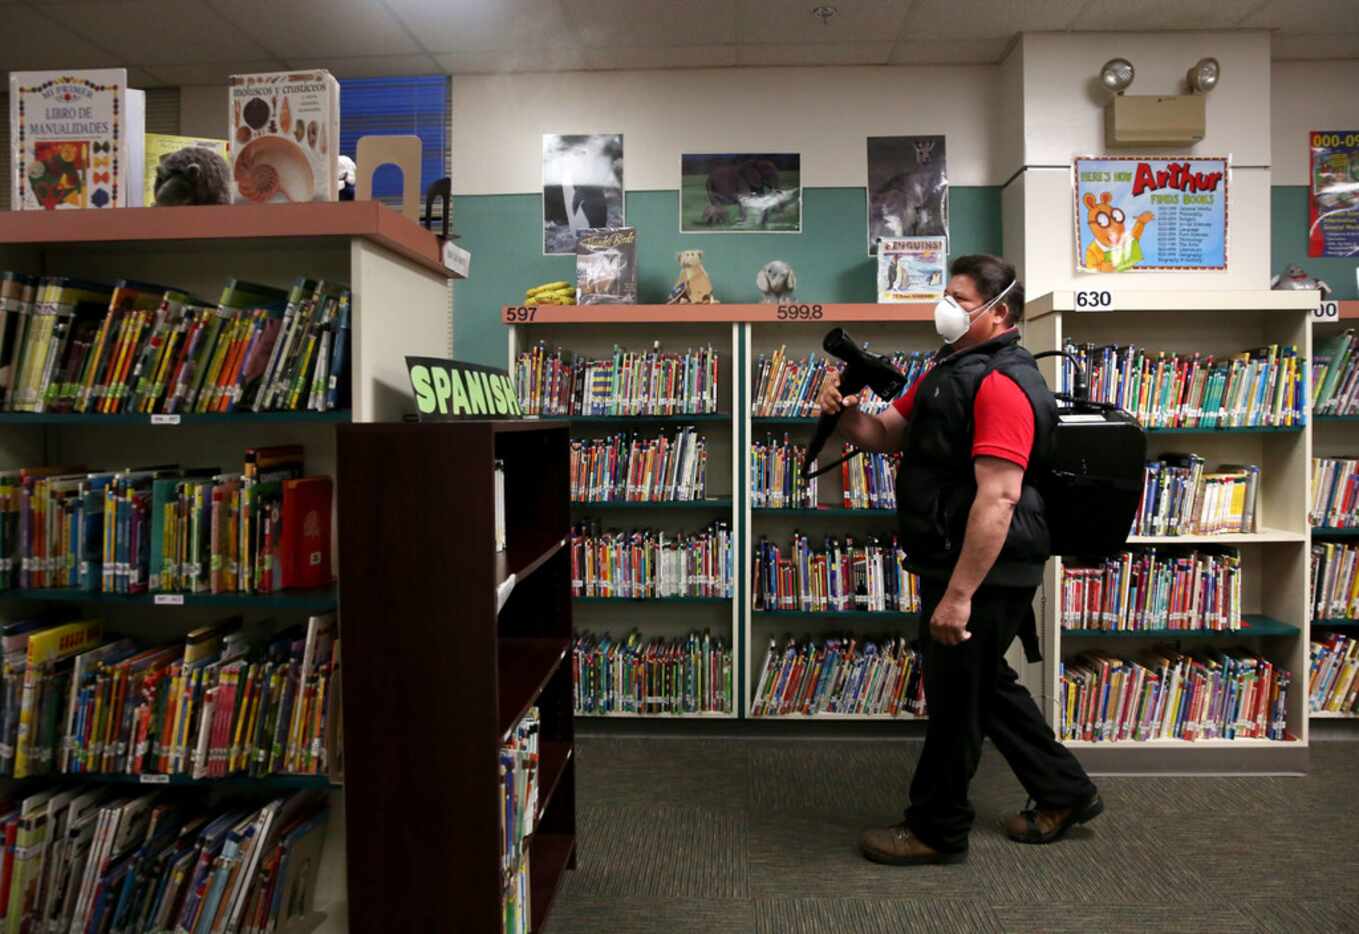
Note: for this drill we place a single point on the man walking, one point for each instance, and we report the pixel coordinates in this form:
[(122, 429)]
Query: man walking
[(974, 432)]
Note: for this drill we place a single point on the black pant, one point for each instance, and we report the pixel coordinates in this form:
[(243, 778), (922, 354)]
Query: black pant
[(971, 692)]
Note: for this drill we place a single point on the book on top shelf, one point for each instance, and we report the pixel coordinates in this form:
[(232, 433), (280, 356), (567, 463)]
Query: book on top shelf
[(160, 145), (606, 266), (76, 140), (284, 136)]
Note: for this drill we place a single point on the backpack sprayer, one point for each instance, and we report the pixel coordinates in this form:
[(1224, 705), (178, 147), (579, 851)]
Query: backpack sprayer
[(1093, 484)]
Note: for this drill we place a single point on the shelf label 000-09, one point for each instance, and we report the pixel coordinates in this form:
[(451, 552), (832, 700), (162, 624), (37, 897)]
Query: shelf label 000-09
[(1327, 311)]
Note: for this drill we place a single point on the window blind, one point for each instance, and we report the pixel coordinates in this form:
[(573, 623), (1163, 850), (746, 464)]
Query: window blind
[(400, 106)]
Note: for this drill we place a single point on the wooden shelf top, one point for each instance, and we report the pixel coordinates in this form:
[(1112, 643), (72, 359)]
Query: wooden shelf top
[(1349, 310), (805, 313), (370, 220)]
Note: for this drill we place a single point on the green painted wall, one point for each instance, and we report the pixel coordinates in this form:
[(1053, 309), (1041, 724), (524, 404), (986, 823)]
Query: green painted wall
[(1288, 242), (504, 235)]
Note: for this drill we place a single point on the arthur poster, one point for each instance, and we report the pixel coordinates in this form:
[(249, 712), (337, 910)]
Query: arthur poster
[(1134, 214)]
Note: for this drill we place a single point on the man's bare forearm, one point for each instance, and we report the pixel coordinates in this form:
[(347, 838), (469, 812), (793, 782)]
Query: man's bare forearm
[(865, 432), (988, 523)]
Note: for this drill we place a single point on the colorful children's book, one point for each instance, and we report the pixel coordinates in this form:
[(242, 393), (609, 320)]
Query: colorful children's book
[(160, 145), (76, 140)]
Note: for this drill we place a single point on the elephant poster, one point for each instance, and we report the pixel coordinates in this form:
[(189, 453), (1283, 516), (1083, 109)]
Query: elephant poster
[(746, 192), (907, 188), (582, 187)]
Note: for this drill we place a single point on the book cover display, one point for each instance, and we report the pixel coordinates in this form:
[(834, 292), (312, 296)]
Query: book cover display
[(76, 140), (912, 269), (606, 266), (284, 136)]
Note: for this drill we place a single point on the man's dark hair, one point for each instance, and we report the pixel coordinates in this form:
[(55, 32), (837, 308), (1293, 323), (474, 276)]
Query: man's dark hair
[(991, 275)]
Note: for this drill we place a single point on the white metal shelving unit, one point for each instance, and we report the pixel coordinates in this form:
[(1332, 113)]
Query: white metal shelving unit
[(1274, 560)]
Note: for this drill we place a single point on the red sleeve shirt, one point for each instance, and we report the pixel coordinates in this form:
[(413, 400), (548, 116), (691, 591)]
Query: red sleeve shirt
[(1002, 419)]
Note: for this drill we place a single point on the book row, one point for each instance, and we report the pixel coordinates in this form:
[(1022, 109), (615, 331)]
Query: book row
[(1334, 581), (845, 676), (518, 812), (788, 387), (75, 701), (1260, 387), (72, 346), (666, 468), (97, 860), (842, 576), (1154, 589), (1335, 493), (1332, 684), (776, 480), (1179, 497), (689, 675), (869, 480), (649, 382), (168, 529), (1335, 376), (1206, 694), (646, 563)]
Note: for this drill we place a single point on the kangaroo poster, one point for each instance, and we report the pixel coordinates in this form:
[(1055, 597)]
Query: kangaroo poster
[(757, 192), (907, 188), (582, 188), (1333, 198), (1150, 213)]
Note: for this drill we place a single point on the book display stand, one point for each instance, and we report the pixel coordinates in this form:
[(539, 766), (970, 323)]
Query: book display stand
[(400, 294)]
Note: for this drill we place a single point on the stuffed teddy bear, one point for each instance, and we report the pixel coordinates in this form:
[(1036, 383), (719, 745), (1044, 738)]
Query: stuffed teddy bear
[(776, 282), (693, 285), (192, 175)]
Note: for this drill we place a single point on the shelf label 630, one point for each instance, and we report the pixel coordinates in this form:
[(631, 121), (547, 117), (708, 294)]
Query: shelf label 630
[(1093, 300), (799, 313)]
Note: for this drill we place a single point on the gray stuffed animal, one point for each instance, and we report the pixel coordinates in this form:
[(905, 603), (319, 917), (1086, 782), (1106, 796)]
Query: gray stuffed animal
[(1295, 277), (192, 175), (776, 282)]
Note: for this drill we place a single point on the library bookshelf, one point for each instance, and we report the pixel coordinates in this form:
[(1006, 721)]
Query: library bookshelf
[(394, 271), (1335, 436), (742, 333), (452, 674), (1275, 560)]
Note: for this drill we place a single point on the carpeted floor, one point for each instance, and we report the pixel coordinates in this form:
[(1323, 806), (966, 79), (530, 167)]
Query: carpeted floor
[(730, 836)]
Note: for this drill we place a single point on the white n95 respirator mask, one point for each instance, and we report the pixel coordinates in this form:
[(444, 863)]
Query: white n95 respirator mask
[(952, 321)]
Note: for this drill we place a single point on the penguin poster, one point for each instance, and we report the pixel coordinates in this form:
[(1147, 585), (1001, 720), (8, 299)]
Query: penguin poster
[(582, 188)]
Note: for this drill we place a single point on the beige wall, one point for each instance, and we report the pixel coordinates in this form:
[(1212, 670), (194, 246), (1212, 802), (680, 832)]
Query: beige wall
[(1308, 96), (823, 113)]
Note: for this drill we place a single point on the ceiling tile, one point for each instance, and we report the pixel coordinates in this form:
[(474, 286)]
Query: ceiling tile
[(1315, 48), (153, 32), (1166, 14), (482, 26), (371, 66), (711, 56), (649, 23), (343, 28), (47, 44), (762, 22), (820, 53), (988, 19), (480, 63), (926, 51), (141, 78), (205, 73), (1304, 16)]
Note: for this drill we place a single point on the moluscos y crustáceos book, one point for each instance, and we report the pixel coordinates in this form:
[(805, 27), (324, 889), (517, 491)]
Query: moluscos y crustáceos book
[(76, 140), (284, 136)]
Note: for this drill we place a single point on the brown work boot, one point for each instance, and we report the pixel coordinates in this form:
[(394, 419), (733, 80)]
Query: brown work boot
[(897, 846), (1048, 825)]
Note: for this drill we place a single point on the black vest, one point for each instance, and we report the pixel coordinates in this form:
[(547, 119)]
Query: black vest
[(936, 483)]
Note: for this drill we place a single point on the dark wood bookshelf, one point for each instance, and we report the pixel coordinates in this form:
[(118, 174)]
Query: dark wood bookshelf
[(435, 677)]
